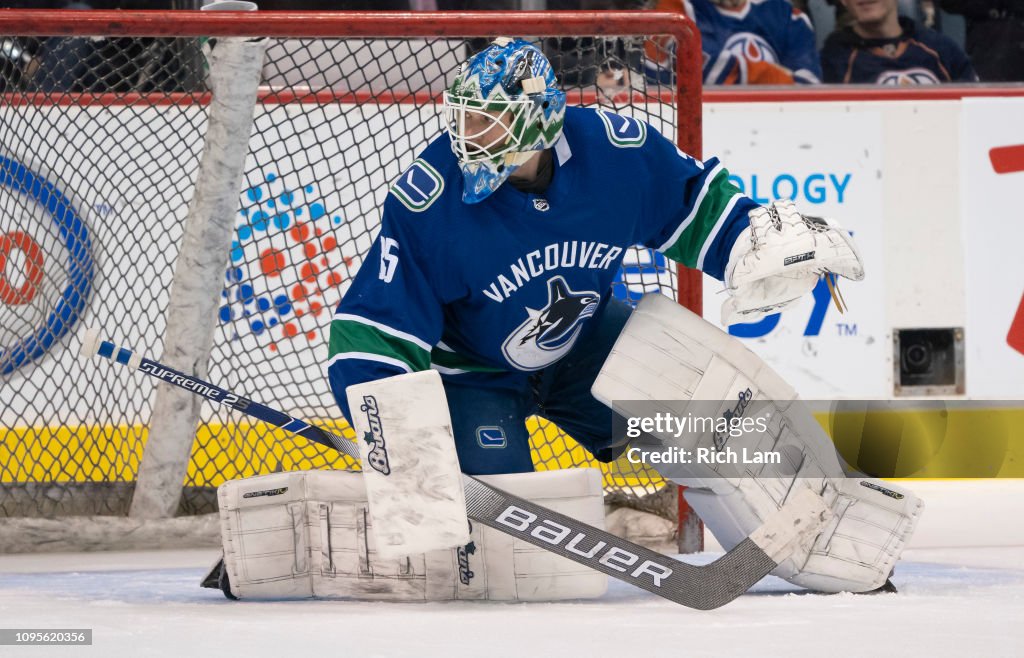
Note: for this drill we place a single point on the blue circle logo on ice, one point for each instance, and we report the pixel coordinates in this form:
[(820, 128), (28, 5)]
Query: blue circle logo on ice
[(46, 265)]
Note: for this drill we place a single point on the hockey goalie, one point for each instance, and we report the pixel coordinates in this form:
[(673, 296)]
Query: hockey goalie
[(486, 299)]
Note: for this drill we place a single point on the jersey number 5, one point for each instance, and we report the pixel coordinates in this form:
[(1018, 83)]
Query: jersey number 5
[(388, 259)]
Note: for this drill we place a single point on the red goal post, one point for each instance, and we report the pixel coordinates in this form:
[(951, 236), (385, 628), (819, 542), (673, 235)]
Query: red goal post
[(79, 449)]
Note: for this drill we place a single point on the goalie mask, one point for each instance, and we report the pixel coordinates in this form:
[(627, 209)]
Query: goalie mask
[(501, 108)]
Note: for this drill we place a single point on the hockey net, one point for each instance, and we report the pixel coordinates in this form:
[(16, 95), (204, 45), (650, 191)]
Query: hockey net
[(102, 138)]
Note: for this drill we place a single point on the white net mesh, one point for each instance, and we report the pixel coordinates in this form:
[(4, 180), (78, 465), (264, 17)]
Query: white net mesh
[(101, 144)]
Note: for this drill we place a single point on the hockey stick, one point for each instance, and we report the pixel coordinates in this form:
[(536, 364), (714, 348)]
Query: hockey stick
[(701, 587)]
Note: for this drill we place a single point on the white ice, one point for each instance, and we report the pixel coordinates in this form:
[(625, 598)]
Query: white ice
[(958, 597)]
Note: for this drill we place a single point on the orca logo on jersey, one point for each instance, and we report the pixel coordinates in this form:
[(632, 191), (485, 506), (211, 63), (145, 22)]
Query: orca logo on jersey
[(549, 333)]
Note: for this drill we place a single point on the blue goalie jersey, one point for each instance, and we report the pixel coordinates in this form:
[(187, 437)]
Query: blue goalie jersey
[(502, 288)]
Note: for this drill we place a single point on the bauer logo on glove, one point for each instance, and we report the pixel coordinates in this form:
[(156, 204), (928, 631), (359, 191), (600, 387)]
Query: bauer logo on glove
[(780, 258)]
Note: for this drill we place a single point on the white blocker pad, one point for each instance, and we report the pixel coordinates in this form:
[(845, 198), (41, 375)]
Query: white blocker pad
[(310, 535), (668, 359), (411, 469)]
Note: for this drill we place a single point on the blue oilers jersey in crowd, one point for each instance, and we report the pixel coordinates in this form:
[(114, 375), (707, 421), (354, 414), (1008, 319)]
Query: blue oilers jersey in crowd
[(508, 284), (762, 42), (917, 56)]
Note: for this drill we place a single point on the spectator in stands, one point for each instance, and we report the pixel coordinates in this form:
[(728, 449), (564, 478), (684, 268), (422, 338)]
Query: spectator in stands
[(930, 16), (882, 47), (60, 63), (746, 42), (922, 11), (479, 43), (995, 36), (116, 64), (582, 61)]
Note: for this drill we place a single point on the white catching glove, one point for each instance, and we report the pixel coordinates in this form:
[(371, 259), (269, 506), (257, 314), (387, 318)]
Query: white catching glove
[(780, 258)]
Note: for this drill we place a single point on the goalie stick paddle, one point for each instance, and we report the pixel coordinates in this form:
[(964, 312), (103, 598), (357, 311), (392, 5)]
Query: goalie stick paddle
[(700, 587)]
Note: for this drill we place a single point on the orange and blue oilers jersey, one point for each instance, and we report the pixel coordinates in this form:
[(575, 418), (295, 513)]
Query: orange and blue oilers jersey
[(761, 42), (493, 291), (916, 57)]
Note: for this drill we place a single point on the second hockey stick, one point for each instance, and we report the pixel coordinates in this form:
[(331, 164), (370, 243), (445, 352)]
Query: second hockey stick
[(700, 587)]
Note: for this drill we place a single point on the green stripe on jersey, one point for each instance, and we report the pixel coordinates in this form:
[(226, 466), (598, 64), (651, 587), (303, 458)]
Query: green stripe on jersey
[(687, 247), (349, 336), (456, 361)]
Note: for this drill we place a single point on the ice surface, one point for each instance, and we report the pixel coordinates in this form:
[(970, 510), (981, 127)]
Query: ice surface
[(149, 604), (961, 594)]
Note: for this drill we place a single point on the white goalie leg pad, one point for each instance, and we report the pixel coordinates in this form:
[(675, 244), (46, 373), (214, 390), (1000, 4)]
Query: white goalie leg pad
[(855, 552), (872, 522), (410, 464), (508, 569), (667, 357), (309, 534)]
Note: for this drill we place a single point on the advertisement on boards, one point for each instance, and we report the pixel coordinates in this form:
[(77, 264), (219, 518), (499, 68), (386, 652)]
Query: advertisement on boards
[(992, 174), (830, 164)]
